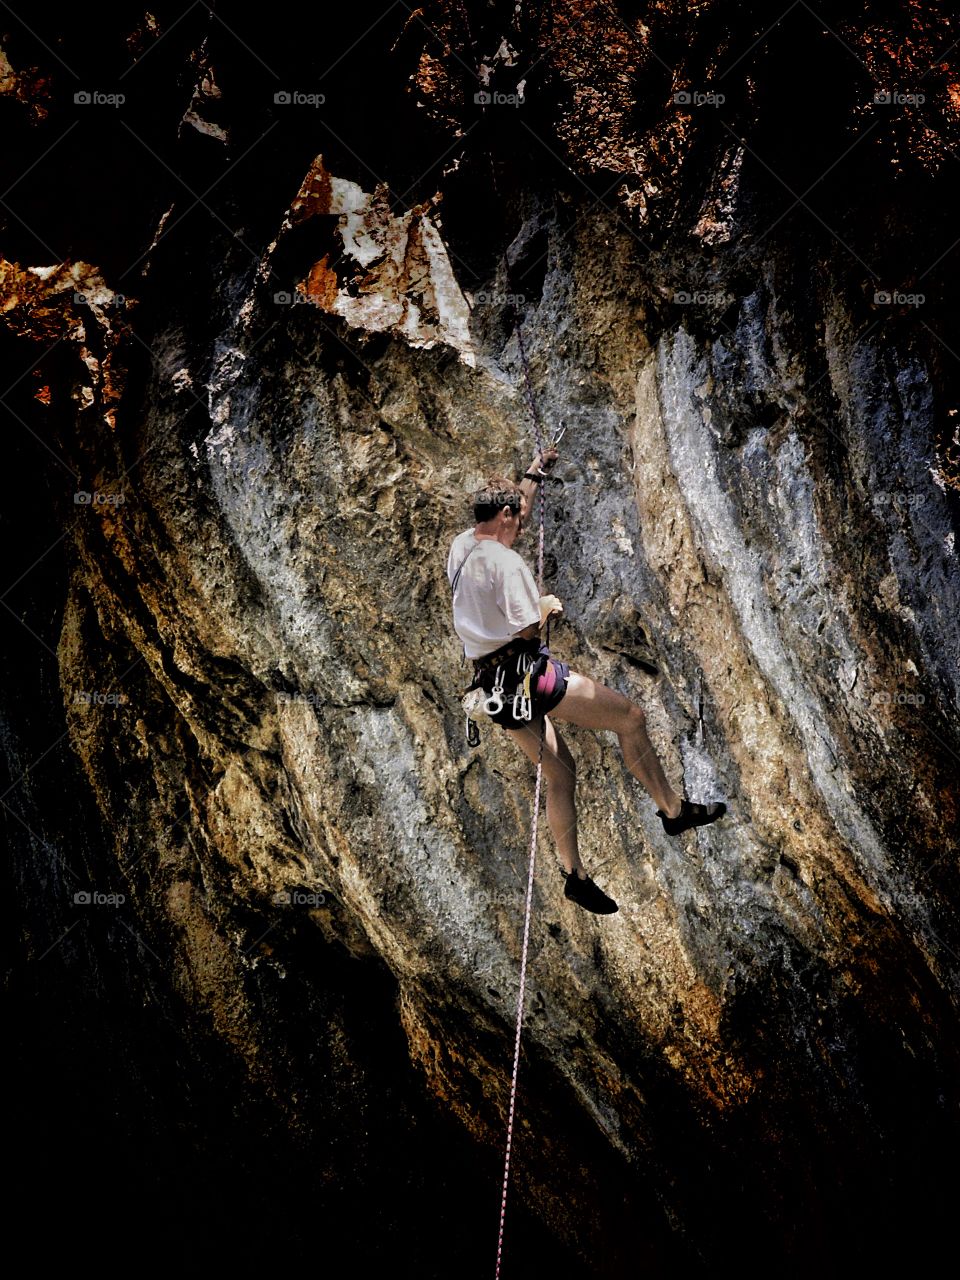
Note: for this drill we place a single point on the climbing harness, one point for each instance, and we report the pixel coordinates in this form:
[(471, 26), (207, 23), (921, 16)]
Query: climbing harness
[(519, 697), (456, 576), (520, 701)]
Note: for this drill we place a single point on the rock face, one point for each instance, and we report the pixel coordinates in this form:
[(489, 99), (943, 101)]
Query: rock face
[(273, 380)]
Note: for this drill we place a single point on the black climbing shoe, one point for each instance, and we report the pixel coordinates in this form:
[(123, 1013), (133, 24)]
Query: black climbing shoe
[(691, 815), (586, 894)]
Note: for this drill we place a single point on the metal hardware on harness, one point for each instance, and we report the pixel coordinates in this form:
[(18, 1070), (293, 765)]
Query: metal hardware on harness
[(495, 701), (522, 703), (521, 707), (473, 700), (473, 733)]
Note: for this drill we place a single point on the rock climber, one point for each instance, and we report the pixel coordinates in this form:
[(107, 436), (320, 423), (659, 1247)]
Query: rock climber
[(499, 615)]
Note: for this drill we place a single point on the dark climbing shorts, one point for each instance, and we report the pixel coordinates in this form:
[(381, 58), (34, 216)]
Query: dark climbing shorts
[(485, 673)]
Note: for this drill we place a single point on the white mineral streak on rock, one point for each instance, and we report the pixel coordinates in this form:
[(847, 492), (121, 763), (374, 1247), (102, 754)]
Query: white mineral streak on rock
[(420, 857), (699, 772), (229, 364), (793, 499), (263, 519), (693, 453)]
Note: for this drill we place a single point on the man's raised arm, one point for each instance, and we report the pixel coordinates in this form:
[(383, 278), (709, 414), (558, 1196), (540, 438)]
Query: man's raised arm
[(528, 488)]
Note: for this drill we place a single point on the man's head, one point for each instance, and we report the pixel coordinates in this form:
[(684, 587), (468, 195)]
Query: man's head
[(497, 507)]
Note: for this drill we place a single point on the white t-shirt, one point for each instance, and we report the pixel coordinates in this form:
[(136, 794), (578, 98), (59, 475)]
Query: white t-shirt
[(496, 594)]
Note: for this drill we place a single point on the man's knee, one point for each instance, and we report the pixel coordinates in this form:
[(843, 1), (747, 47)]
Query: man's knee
[(562, 771)]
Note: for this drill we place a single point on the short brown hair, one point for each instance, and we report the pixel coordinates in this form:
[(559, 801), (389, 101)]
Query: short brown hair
[(494, 494)]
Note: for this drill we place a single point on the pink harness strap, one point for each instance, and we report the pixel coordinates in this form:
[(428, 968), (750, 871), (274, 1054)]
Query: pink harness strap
[(547, 682)]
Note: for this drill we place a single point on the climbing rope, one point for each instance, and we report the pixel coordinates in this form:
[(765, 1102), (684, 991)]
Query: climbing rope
[(520, 999), (528, 905), (531, 865)]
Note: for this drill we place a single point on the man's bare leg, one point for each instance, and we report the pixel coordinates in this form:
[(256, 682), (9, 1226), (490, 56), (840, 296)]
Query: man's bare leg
[(595, 706), (560, 770)]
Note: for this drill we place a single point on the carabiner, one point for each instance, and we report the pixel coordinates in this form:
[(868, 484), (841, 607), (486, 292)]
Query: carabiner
[(522, 708), (494, 703), (522, 702)]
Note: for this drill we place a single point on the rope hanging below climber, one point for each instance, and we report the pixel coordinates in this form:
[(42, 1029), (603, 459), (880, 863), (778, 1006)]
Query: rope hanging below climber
[(499, 614)]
